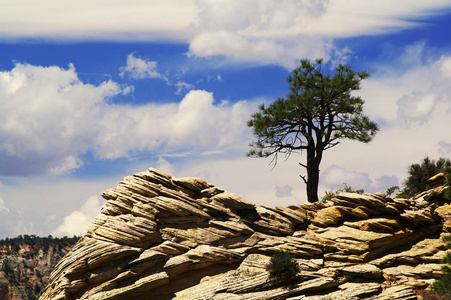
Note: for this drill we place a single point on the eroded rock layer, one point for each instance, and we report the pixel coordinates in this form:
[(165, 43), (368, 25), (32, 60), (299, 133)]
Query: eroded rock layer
[(159, 237)]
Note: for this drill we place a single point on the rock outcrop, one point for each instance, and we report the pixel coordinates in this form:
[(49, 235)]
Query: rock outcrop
[(159, 237)]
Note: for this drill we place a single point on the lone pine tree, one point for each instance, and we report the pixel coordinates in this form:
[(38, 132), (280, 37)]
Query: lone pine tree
[(319, 110)]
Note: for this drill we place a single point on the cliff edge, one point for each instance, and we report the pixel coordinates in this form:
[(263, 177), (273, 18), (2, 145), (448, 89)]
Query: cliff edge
[(160, 237)]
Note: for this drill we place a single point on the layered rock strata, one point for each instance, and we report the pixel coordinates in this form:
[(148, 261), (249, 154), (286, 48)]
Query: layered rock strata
[(160, 237)]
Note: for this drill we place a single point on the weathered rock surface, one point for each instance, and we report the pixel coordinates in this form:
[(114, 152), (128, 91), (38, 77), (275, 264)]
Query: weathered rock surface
[(159, 237)]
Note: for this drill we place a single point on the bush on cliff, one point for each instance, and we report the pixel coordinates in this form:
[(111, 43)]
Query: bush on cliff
[(443, 284), (418, 175), (282, 266), (346, 189)]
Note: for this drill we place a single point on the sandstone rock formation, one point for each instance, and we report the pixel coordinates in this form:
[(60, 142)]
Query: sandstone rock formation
[(159, 237)]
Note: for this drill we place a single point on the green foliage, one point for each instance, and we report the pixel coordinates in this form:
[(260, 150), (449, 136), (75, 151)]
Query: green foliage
[(443, 284), (346, 189), (319, 110), (447, 172), (282, 266), (403, 195), (41, 242), (418, 174), (391, 190)]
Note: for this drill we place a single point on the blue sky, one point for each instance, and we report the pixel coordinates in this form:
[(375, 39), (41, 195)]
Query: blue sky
[(92, 91)]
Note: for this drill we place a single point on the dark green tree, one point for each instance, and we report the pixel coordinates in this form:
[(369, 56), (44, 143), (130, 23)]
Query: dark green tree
[(319, 110), (418, 175)]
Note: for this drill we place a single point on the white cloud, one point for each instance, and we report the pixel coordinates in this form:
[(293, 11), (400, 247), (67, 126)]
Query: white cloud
[(143, 68), (282, 32), (262, 50), (51, 118), (181, 86), (444, 149), (3, 206), (416, 107), (48, 117), (77, 221), (335, 177), (200, 123), (283, 191), (196, 124), (68, 164), (138, 68), (39, 205), (445, 66), (267, 31), (164, 166), (104, 20)]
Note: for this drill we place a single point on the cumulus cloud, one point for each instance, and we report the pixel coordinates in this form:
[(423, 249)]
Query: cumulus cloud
[(336, 177), (198, 122), (283, 191), (416, 107), (164, 166), (77, 221), (144, 68), (139, 68), (50, 118), (259, 50), (267, 31), (411, 93)]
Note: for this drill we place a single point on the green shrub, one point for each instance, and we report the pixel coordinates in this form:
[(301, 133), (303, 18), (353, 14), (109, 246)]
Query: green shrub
[(282, 266), (391, 190), (346, 189), (447, 171), (418, 174), (443, 284)]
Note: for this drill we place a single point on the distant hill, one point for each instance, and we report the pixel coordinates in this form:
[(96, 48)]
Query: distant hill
[(26, 262)]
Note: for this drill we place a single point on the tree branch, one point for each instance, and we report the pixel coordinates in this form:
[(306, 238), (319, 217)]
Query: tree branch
[(303, 178)]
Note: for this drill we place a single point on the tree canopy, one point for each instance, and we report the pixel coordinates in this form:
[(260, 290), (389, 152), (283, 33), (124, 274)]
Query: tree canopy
[(420, 173), (319, 110)]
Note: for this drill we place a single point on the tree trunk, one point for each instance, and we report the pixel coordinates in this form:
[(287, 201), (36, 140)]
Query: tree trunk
[(312, 182), (314, 156)]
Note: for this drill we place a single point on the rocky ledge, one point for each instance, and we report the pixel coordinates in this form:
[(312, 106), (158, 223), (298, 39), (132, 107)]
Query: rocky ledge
[(160, 237)]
